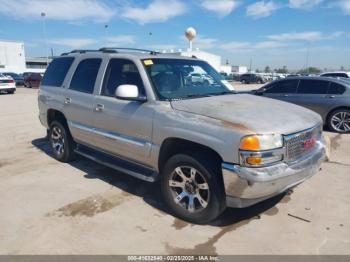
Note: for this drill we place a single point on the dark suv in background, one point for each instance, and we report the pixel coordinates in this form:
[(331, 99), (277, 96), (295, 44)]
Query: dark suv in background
[(252, 78), (32, 80), (330, 97)]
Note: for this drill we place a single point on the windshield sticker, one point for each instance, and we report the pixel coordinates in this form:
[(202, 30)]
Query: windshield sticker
[(227, 84), (148, 62)]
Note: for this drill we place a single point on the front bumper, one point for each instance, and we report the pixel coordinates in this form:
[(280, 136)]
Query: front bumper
[(246, 186)]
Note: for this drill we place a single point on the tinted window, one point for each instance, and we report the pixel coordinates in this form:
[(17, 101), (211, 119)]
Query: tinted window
[(313, 87), (85, 75), (336, 75), (336, 89), (121, 72), (288, 86), (57, 70)]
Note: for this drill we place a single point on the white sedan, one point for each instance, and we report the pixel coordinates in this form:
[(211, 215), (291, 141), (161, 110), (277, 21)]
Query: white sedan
[(7, 84)]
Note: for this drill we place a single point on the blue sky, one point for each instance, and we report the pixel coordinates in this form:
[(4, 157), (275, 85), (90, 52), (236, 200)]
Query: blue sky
[(269, 32)]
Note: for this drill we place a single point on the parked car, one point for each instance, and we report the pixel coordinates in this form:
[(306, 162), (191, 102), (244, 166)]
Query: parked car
[(329, 97), (18, 78), (337, 74), (252, 78), (209, 146), (32, 80), (7, 84)]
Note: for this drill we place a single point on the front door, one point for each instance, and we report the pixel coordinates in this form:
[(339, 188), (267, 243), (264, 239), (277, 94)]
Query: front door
[(124, 127)]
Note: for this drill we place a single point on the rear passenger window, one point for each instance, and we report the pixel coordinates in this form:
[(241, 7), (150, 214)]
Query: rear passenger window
[(287, 86), (336, 89), (85, 75), (56, 71), (313, 87), (121, 72)]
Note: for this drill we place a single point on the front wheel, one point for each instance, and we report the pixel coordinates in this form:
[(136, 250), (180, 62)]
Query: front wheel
[(339, 121), (61, 142), (192, 188)]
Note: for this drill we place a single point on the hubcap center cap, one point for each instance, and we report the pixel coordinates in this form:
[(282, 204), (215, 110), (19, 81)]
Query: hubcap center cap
[(190, 187)]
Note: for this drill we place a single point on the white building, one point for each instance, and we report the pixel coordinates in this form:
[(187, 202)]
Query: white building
[(212, 59), (239, 69), (12, 56)]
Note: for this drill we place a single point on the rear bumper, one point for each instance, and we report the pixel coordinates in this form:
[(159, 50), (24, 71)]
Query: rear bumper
[(247, 186), (7, 89)]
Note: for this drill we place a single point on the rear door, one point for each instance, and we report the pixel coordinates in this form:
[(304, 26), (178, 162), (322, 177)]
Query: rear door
[(312, 94), (124, 127), (78, 100)]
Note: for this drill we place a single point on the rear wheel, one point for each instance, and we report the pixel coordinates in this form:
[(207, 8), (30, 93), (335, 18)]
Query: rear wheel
[(192, 188), (339, 121), (61, 142)]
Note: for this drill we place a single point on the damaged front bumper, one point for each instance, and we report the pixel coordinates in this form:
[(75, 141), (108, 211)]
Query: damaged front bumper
[(246, 186)]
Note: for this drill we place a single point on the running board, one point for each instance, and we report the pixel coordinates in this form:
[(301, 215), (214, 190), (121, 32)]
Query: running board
[(133, 169)]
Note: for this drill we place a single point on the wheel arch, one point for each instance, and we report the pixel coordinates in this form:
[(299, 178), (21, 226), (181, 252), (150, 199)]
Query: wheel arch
[(172, 146), (56, 115)]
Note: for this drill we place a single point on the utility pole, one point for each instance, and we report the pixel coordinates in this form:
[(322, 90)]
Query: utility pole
[(43, 15)]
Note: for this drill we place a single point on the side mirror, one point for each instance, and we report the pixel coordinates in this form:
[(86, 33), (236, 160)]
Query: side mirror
[(129, 92), (260, 92)]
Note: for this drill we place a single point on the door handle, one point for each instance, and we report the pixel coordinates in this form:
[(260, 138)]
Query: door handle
[(285, 95), (331, 96), (67, 100), (99, 107)]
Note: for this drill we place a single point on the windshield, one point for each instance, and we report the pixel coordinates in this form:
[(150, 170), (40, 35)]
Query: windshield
[(184, 78)]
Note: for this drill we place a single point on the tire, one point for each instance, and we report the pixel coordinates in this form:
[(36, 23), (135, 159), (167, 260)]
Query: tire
[(339, 121), (243, 82), (11, 92), (61, 142), (208, 202)]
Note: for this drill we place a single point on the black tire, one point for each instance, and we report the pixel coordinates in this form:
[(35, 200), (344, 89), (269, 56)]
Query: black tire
[(28, 85), (209, 204), (343, 128), (11, 92), (61, 142)]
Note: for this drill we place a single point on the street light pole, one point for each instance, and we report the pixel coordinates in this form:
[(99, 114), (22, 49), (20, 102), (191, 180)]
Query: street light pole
[(43, 15)]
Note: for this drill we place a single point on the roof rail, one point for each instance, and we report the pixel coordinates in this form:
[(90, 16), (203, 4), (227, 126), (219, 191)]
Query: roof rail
[(81, 51), (115, 49)]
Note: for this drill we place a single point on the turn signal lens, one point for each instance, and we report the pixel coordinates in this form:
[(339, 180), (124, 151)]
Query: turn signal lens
[(250, 143), (254, 160)]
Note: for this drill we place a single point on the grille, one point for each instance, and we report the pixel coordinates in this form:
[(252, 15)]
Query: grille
[(295, 144)]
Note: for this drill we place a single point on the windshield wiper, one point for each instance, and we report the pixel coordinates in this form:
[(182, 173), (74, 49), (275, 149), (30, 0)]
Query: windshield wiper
[(223, 93)]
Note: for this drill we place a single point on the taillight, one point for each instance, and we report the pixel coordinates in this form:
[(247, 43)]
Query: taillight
[(10, 81)]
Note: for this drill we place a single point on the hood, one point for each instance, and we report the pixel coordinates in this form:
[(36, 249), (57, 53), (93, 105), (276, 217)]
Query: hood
[(251, 114)]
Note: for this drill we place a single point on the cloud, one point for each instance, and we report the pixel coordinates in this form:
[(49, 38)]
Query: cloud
[(261, 9), (120, 40), (305, 36), (344, 5), (248, 46), (73, 42), (220, 7), (156, 11), (304, 4), (67, 10)]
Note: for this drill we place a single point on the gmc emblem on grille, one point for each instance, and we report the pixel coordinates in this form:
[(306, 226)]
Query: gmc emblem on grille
[(307, 144)]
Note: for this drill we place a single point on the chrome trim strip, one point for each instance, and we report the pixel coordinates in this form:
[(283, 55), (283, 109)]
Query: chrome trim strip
[(110, 135)]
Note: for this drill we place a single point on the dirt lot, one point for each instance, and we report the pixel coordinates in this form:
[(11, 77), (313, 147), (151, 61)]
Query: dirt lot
[(47, 207)]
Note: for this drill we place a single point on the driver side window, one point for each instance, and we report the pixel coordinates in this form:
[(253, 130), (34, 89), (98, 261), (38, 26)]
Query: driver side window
[(121, 72)]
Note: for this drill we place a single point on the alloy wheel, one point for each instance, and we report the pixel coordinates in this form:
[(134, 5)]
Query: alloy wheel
[(341, 121), (57, 140), (189, 189)]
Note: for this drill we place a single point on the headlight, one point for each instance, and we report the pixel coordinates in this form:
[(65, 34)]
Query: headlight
[(261, 150), (261, 142)]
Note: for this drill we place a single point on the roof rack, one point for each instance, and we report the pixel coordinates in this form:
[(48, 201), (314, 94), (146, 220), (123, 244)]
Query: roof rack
[(110, 50), (115, 49)]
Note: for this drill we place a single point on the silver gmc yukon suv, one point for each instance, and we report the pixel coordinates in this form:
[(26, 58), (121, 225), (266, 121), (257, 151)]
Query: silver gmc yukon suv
[(139, 112)]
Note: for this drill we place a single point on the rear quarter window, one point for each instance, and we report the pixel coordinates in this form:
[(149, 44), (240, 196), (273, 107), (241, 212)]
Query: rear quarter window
[(56, 72), (336, 89)]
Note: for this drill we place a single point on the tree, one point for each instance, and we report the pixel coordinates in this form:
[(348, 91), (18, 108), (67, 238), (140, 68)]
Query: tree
[(257, 70), (310, 70), (282, 70), (267, 69), (342, 68)]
